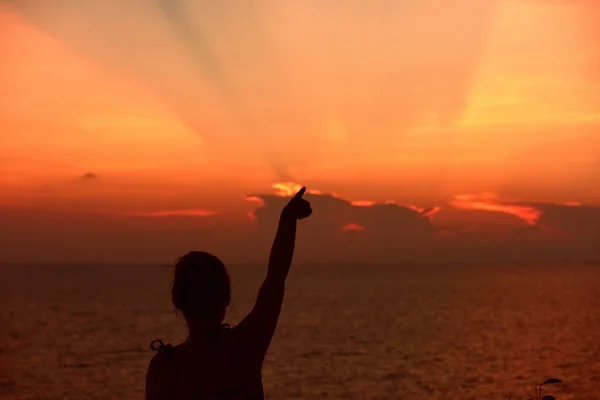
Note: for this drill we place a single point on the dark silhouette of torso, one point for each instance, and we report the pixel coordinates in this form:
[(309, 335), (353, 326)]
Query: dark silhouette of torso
[(211, 368)]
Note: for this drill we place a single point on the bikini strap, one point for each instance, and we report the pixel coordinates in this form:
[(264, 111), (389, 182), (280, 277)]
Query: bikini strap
[(159, 345)]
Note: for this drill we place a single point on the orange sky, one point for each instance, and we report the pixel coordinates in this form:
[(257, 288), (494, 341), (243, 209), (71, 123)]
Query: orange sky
[(368, 100)]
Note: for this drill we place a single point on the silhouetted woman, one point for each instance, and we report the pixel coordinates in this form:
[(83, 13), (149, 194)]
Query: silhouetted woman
[(218, 362)]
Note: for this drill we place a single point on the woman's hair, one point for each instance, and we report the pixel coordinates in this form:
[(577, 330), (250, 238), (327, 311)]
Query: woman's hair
[(201, 286)]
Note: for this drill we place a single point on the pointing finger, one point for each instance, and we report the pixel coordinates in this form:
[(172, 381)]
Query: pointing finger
[(300, 193)]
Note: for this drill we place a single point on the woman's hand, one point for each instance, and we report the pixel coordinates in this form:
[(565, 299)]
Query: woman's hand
[(297, 208)]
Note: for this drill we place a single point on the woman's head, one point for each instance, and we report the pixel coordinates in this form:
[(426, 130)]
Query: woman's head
[(201, 287)]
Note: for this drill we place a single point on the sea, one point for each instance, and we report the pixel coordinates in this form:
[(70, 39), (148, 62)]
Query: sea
[(346, 331)]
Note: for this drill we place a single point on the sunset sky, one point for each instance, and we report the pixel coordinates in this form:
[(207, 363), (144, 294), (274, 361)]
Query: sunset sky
[(160, 115)]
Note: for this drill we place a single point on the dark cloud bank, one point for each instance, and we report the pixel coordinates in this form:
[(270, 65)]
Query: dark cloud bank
[(391, 234), (394, 233)]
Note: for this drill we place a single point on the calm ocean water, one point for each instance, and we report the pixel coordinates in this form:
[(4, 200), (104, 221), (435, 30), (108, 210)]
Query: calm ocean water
[(347, 332)]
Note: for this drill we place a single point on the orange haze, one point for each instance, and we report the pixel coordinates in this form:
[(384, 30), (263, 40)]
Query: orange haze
[(117, 114)]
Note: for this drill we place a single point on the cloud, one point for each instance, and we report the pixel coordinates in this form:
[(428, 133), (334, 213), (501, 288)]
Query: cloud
[(337, 232), (430, 212), (579, 220), (89, 176), (341, 230), (469, 228), (362, 203), (172, 213), (254, 199), (352, 226), (288, 189), (486, 202)]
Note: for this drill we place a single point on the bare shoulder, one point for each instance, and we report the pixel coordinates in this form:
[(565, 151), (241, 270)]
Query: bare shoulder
[(160, 376), (161, 362)]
